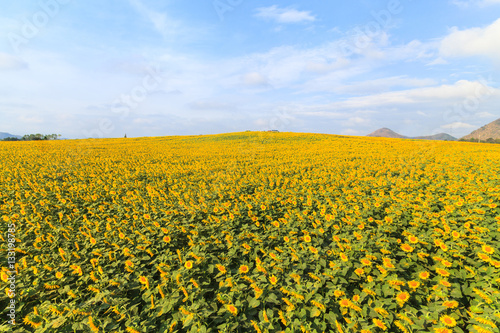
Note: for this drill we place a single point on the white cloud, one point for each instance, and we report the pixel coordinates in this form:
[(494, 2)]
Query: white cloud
[(9, 62), (284, 15), (210, 105), (351, 131), (413, 100), (473, 42), (457, 125), (477, 3), (254, 79), (485, 115)]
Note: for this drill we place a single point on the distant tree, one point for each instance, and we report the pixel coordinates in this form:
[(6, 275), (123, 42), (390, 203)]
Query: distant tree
[(11, 139), (38, 136), (125, 135)]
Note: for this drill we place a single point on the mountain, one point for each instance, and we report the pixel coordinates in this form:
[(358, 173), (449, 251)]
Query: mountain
[(491, 130), (440, 136), (4, 135), (387, 133)]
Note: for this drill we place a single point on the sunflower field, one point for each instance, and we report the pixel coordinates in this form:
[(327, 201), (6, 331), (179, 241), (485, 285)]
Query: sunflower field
[(250, 232)]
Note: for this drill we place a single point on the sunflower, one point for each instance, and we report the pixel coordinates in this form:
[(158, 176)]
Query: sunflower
[(379, 324), (413, 284), (442, 272), (403, 297), (407, 248), (167, 239), (59, 275), (448, 321), (488, 249), (313, 250), (144, 280), (188, 264), (424, 275), (243, 269), (231, 308), (4, 276), (450, 304), (366, 262), (221, 268), (484, 257), (307, 238), (345, 302), (273, 279)]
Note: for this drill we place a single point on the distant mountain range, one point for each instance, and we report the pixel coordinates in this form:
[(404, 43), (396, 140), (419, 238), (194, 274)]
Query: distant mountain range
[(4, 135), (489, 131), (387, 133)]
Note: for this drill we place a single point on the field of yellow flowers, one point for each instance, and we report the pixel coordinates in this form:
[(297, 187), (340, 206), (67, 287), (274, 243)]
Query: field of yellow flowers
[(251, 232)]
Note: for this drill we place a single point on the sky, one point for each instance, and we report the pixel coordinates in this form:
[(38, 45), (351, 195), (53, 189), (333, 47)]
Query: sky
[(170, 67)]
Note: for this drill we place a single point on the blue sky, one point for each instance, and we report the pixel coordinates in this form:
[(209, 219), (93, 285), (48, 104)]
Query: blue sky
[(154, 68)]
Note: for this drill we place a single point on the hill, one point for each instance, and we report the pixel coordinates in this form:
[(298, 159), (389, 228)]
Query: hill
[(387, 133), (440, 136), (4, 135), (491, 130)]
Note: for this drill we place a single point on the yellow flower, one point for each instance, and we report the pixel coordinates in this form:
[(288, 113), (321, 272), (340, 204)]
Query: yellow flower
[(448, 321), (59, 275), (407, 248), (379, 324), (221, 268), (402, 297), (424, 275), (188, 264), (442, 272), (450, 304), (273, 279), (4, 276), (366, 262), (412, 239), (307, 238), (231, 308), (488, 249), (244, 269), (413, 284), (144, 280), (344, 303)]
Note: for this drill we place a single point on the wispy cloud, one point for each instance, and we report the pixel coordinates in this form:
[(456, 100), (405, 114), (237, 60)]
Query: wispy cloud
[(456, 125), (476, 3), (284, 15), (162, 22), (10, 62)]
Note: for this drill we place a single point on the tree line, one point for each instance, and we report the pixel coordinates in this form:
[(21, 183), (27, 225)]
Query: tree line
[(34, 137), (489, 140)]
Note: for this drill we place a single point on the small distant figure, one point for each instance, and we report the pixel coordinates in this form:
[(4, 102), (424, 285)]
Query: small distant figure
[(125, 135)]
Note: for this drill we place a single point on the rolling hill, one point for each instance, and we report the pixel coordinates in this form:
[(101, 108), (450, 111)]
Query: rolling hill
[(4, 135), (388, 133), (491, 130)]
